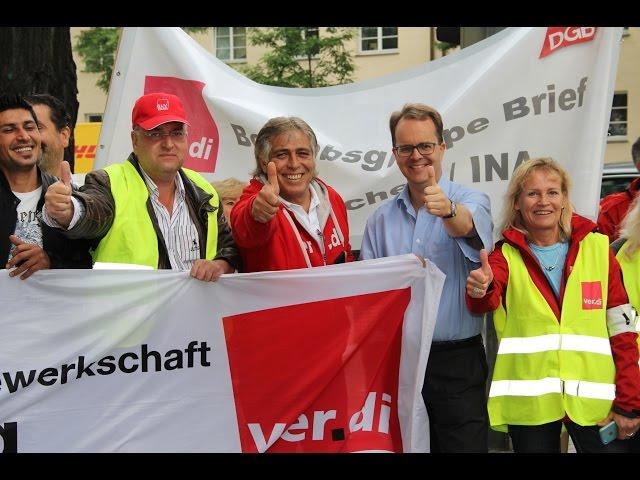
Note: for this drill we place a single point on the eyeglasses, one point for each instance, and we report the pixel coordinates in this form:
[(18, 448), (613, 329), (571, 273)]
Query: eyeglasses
[(424, 148), (157, 134)]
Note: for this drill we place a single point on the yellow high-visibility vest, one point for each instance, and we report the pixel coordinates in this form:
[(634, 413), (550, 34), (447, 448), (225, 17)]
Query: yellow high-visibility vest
[(132, 238), (630, 272), (545, 369)]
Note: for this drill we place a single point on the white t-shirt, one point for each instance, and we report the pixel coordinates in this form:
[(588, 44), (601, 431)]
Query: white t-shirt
[(309, 220), (28, 228)]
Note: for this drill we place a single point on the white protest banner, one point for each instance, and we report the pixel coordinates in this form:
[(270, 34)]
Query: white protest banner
[(156, 361), (522, 93)]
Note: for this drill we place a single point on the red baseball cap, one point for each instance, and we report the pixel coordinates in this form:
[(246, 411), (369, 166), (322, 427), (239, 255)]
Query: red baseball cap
[(154, 109)]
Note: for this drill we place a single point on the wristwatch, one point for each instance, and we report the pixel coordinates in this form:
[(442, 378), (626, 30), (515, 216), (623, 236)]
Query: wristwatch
[(454, 210)]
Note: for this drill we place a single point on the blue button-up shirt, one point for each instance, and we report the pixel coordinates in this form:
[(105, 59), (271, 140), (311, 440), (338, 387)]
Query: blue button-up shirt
[(394, 229)]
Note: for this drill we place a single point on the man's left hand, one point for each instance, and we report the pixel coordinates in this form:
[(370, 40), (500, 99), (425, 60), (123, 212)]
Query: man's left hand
[(210, 270), (28, 258), (435, 201)]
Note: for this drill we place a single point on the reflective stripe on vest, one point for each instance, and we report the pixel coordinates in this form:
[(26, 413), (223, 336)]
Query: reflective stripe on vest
[(132, 237), (530, 388), (554, 341), (545, 368)]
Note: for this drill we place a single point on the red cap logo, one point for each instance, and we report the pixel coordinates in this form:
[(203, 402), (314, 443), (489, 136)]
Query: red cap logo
[(154, 109), (560, 37), (163, 104)]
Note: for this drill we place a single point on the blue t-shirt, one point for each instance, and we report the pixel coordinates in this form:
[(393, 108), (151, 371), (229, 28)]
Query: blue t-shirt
[(395, 229), (551, 258)]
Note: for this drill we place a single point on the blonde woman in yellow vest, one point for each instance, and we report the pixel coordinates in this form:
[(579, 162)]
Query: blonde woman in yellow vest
[(627, 251), (149, 210), (566, 343)]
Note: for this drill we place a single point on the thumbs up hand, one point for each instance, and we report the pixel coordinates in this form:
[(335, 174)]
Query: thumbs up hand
[(57, 200), (435, 201), (266, 204), (65, 173), (272, 177), (431, 176), (479, 280)]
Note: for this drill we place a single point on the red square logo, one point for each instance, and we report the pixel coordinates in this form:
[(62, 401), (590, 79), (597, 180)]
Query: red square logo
[(560, 37), (591, 295), (320, 376)]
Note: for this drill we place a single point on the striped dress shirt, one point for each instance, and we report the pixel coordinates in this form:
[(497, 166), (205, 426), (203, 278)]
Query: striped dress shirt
[(178, 230)]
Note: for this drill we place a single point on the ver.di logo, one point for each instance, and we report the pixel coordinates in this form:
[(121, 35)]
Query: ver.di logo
[(336, 387)]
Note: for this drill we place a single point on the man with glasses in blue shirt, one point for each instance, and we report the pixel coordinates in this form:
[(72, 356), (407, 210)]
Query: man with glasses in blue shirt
[(447, 224), (149, 210)]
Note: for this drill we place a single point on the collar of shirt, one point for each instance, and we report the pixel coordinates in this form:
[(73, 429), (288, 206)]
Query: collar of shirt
[(153, 188), (308, 220)]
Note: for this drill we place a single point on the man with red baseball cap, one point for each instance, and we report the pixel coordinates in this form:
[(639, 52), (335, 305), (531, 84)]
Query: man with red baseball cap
[(154, 109), (149, 210)]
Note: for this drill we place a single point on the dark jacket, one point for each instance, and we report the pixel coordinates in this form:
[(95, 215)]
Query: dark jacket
[(99, 206), (62, 252)]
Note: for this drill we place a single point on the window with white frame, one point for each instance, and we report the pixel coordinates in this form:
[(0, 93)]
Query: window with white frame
[(378, 39), (618, 120), (231, 43)]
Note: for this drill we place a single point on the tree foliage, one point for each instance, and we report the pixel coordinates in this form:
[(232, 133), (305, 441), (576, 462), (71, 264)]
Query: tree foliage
[(444, 46), (97, 48), (40, 60), (298, 59)]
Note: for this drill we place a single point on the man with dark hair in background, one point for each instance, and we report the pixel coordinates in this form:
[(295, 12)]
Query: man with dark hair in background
[(26, 243), (54, 124), (614, 207)]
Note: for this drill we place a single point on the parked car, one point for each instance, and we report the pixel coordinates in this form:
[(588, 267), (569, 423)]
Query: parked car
[(617, 176)]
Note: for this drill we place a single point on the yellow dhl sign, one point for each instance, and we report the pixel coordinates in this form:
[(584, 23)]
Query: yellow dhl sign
[(86, 137)]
